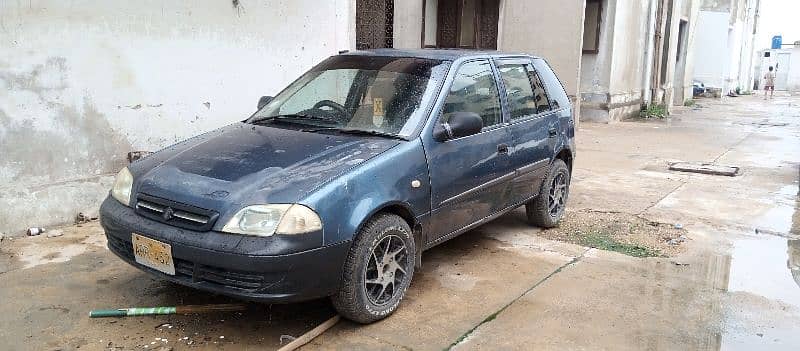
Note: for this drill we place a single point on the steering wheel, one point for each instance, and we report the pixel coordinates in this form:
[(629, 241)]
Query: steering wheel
[(333, 105)]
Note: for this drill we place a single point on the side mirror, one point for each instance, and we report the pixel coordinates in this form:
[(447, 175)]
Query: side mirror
[(263, 101), (459, 125)]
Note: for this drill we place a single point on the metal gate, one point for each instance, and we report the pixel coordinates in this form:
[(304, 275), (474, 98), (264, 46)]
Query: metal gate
[(374, 24)]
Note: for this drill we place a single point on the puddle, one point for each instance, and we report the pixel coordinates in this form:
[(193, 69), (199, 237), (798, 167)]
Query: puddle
[(36, 255), (779, 217), (769, 267), (43, 252), (764, 300)]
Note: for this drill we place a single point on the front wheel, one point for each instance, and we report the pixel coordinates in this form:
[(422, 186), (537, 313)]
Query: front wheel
[(548, 208), (378, 270)]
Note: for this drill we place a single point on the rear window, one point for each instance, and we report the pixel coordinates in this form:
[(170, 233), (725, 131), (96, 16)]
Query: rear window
[(558, 97)]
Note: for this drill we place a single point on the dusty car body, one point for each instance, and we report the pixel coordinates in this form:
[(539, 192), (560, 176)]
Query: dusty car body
[(385, 154)]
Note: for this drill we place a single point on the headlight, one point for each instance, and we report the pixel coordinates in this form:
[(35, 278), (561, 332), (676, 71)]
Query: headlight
[(122, 187), (266, 220)]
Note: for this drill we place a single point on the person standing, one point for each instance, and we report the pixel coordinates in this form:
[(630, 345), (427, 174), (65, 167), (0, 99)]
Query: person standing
[(769, 83)]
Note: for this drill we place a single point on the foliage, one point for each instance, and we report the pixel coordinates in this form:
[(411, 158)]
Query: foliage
[(654, 111), (689, 103), (604, 241)]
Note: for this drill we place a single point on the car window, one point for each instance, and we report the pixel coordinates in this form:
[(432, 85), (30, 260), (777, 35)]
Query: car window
[(521, 102), (366, 93), (474, 90), (539, 93), (328, 85), (558, 97)]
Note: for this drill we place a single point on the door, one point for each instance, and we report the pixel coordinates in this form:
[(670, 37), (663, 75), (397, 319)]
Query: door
[(532, 124), (374, 24), (782, 72), (470, 24), (470, 175)]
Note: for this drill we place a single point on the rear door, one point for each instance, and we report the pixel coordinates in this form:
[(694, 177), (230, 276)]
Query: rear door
[(533, 126), (469, 175)]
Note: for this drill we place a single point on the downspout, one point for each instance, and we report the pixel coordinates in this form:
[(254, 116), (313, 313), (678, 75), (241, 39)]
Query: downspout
[(647, 94)]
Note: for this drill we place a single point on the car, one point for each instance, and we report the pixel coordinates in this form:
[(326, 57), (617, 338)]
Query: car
[(336, 186), (698, 88)]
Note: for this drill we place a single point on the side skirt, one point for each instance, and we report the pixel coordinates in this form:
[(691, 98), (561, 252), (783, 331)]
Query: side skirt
[(477, 223)]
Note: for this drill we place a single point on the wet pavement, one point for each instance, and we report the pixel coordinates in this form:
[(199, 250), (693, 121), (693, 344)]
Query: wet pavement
[(734, 285)]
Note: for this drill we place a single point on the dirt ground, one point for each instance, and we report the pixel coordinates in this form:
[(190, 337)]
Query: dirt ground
[(620, 232), (647, 258)]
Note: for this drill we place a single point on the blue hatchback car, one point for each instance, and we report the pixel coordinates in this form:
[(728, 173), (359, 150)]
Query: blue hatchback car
[(337, 185)]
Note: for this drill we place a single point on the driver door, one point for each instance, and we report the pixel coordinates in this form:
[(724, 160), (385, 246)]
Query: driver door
[(470, 175)]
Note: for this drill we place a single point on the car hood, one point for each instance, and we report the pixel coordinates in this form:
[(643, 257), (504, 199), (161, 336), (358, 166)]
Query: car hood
[(244, 164)]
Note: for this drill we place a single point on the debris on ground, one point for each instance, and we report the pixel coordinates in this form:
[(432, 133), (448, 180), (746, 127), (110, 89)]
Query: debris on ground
[(2, 236), (55, 233), (620, 232), (286, 338), (34, 231), (676, 241), (82, 218), (679, 263), (136, 155), (704, 168)]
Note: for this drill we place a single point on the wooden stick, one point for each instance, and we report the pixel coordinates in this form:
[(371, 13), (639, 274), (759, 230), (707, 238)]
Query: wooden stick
[(210, 308), (310, 335)]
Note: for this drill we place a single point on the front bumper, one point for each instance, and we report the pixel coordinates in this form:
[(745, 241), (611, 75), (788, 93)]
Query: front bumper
[(276, 278)]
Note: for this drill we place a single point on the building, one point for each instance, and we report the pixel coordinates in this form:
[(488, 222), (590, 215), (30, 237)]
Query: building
[(82, 84), (786, 65), (638, 54), (724, 44)]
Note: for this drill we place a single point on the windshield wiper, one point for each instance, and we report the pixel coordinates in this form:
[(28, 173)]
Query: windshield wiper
[(357, 132), (294, 116)]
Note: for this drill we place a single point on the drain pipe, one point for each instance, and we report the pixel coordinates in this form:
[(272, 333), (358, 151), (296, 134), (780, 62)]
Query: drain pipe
[(647, 94)]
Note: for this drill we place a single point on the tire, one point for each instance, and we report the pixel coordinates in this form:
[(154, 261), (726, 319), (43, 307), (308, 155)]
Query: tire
[(364, 295), (540, 210)]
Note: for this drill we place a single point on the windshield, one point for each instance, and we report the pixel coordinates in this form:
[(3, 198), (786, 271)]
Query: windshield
[(385, 95)]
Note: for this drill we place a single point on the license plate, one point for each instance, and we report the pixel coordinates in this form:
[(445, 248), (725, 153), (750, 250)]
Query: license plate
[(153, 254)]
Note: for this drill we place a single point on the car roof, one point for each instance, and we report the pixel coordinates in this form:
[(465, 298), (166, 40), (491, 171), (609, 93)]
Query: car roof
[(436, 54)]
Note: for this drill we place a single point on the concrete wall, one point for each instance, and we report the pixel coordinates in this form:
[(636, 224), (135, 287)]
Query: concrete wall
[(408, 24), (711, 48), (625, 93), (726, 63), (690, 11), (550, 29), (84, 82)]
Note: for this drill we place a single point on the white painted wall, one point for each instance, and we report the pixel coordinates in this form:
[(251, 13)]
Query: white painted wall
[(83, 82), (710, 48), (792, 70)]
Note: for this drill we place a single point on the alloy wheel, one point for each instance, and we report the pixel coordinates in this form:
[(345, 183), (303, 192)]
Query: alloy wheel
[(558, 195), (386, 270)]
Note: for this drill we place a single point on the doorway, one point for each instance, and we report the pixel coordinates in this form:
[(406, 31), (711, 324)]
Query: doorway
[(466, 24), (680, 65), (374, 24)]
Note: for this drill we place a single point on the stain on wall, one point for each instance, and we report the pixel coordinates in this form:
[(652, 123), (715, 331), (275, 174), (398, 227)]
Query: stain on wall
[(83, 83)]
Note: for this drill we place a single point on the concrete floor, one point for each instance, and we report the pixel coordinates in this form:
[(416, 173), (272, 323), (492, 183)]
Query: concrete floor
[(501, 286)]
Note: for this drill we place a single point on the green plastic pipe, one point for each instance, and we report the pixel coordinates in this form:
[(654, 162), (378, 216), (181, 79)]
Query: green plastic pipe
[(133, 311)]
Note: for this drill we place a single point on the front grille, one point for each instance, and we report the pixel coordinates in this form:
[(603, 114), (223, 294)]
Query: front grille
[(196, 272), (175, 213)]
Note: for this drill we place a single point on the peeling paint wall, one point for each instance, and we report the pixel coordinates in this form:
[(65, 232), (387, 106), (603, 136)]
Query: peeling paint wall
[(84, 82), (611, 81)]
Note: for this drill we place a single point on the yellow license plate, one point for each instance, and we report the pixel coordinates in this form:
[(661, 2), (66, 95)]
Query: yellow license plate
[(153, 254)]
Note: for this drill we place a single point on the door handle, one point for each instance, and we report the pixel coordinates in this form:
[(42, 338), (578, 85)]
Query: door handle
[(552, 132), (502, 149)]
